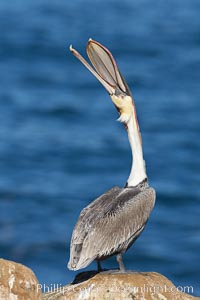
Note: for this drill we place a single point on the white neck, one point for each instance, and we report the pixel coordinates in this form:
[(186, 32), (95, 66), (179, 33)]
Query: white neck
[(138, 171)]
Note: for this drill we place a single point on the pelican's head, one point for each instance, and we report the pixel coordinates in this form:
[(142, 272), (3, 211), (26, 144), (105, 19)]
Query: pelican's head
[(107, 72)]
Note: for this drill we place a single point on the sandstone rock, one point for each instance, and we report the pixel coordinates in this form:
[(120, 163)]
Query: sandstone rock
[(17, 282), (120, 286)]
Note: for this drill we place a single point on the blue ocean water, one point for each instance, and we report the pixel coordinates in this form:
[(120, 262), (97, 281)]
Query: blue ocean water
[(60, 146)]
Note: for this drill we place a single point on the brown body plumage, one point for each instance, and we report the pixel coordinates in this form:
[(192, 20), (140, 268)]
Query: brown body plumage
[(110, 224)]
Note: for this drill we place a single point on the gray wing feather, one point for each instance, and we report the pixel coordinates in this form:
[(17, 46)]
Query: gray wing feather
[(117, 218), (87, 219)]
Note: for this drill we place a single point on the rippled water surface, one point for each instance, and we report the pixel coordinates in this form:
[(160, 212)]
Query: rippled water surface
[(60, 146)]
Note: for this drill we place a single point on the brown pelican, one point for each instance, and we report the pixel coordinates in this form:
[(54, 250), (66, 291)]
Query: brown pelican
[(111, 223)]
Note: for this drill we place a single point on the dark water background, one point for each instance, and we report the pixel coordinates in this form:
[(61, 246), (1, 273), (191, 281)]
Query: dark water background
[(60, 146)]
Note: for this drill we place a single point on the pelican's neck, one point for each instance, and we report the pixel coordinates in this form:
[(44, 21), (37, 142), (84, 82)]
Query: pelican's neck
[(138, 171)]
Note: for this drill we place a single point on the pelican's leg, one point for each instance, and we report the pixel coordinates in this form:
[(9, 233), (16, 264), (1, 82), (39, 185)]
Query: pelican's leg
[(120, 262), (99, 268)]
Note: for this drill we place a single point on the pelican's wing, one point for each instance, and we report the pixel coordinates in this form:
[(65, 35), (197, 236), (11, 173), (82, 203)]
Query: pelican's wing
[(89, 216), (121, 222)]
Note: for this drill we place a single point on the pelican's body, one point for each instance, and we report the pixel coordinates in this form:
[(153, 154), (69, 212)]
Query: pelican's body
[(112, 222)]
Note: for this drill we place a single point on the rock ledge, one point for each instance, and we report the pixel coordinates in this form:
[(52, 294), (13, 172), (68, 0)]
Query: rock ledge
[(118, 286), (18, 282)]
